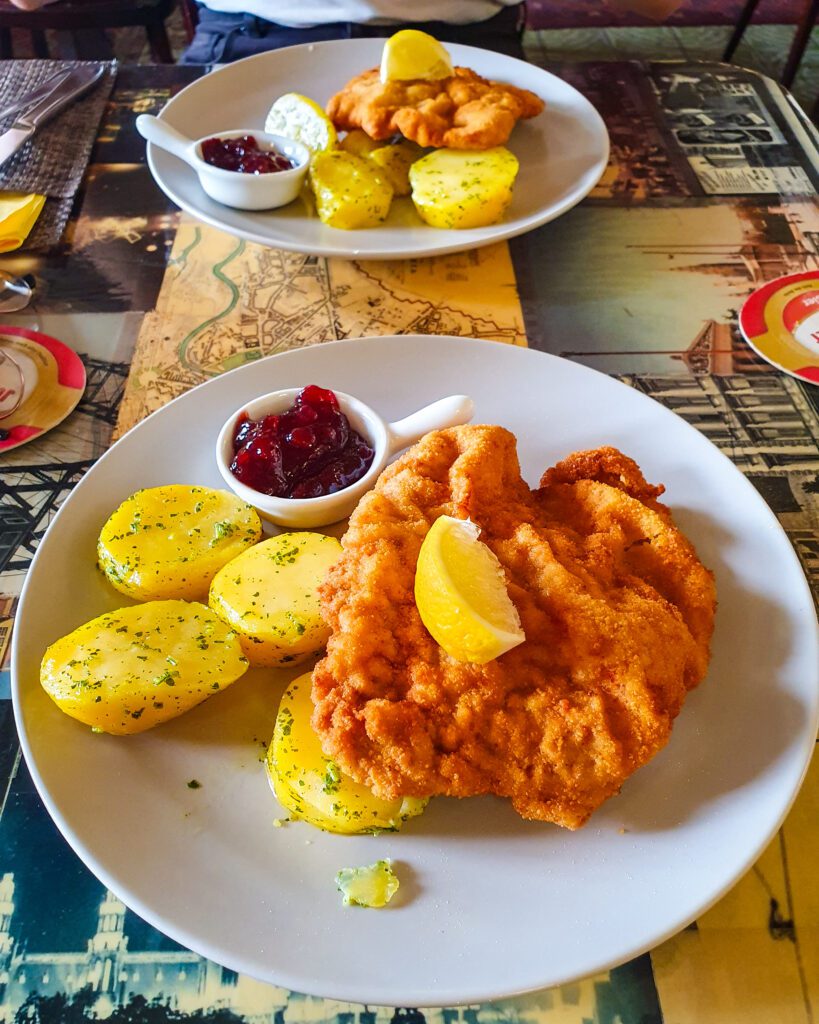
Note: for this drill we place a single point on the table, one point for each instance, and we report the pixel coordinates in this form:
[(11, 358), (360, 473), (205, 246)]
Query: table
[(710, 192)]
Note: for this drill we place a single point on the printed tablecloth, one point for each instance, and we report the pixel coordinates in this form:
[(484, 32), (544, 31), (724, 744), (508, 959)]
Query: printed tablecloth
[(711, 191)]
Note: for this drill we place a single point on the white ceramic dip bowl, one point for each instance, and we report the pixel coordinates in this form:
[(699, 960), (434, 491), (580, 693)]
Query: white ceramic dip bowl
[(234, 188), (386, 439)]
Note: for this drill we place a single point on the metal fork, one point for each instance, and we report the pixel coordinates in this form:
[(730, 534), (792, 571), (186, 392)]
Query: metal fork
[(28, 99)]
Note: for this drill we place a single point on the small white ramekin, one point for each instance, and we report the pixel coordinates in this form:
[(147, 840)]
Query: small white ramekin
[(386, 440), (232, 188)]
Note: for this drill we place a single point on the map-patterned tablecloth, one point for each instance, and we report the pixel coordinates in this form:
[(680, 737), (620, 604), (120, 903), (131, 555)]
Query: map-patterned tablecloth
[(709, 193), (224, 302)]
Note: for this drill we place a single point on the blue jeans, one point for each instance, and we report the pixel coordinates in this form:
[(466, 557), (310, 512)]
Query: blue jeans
[(221, 38)]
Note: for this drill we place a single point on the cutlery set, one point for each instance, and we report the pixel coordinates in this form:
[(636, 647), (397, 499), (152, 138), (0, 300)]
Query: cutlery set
[(33, 109)]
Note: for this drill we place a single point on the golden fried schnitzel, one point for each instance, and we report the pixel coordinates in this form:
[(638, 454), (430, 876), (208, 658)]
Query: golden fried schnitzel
[(617, 609), (464, 111)]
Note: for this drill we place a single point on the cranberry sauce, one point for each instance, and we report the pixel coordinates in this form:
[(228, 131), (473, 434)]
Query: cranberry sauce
[(244, 155), (305, 452)]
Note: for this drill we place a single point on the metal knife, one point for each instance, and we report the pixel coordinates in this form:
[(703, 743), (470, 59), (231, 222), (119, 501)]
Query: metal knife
[(28, 99), (78, 81)]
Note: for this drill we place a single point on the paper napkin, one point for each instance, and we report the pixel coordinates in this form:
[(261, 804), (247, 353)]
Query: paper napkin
[(18, 214)]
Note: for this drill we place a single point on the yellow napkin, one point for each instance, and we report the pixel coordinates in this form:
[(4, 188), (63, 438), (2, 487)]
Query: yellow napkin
[(18, 215)]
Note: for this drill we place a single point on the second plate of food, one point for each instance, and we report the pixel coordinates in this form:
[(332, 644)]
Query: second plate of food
[(489, 904), (562, 152)]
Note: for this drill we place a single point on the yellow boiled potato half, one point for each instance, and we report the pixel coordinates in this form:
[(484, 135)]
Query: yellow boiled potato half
[(169, 542), (351, 192), (457, 188), (312, 787), (460, 592), (359, 143), (131, 669), (395, 162), (269, 595)]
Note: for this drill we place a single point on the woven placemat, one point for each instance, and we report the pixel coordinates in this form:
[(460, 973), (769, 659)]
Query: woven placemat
[(53, 161), (50, 225)]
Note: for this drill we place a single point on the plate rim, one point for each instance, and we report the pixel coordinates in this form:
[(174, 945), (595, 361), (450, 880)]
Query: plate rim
[(503, 233), (488, 993)]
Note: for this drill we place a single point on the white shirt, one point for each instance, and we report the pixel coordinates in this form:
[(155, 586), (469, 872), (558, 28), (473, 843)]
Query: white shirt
[(304, 13)]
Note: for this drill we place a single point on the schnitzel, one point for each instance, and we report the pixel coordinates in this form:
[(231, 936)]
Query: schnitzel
[(616, 607), (617, 610), (463, 111)]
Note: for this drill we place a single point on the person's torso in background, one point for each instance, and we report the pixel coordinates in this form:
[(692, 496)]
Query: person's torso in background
[(302, 13)]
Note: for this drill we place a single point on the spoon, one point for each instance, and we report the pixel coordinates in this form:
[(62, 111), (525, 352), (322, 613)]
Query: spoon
[(234, 188), (386, 439), (15, 292)]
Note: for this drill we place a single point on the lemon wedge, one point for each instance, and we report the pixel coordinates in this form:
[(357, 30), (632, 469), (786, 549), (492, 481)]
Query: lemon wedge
[(300, 118), (413, 54), (460, 591)]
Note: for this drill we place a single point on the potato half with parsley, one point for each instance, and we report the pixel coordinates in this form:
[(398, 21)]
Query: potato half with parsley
[(351, 192), (458, 188), (312, 787), (169, 542), (395, 161), (269, 595), (359, 143), (131, 669)]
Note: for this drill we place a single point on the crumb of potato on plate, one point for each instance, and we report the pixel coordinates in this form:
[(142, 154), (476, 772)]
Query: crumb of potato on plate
[(372, 885)]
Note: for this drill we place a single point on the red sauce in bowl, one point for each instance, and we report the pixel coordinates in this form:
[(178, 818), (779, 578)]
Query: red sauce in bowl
[(244, 155), (305, 452)]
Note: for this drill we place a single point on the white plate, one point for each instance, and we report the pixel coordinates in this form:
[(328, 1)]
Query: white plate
[(490, 905), (562, 152)]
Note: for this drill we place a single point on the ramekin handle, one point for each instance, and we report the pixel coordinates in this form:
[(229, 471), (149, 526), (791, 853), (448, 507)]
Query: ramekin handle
[(446, 412)]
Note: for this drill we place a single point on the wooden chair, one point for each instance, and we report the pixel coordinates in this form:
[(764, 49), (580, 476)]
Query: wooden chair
[(190, 16), (800, 39), (75, 16)]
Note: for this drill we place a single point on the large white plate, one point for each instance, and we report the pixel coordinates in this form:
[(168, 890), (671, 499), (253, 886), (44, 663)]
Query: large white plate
[(562, 152), (490, 905)]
